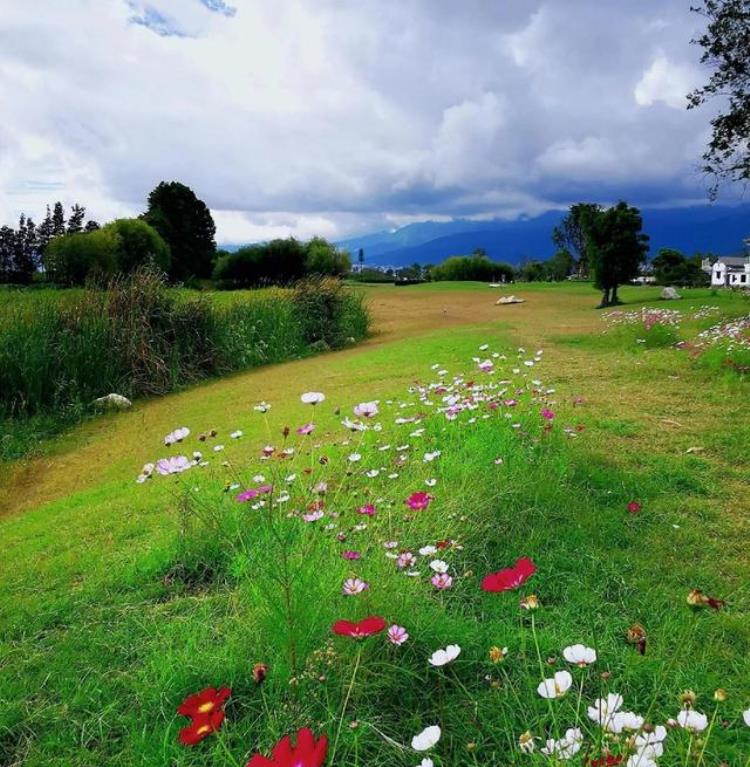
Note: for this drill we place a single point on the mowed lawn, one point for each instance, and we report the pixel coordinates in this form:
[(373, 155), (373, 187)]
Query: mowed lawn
[(104, 626)]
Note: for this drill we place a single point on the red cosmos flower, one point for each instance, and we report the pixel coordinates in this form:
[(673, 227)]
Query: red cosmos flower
[(201, 727), (204, 702), (634, 507), (373, 624), (511, 577), (307, 752), (608, 760), (418, 501)]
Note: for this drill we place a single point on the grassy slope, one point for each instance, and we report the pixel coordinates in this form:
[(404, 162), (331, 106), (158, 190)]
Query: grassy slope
[(97, 648)]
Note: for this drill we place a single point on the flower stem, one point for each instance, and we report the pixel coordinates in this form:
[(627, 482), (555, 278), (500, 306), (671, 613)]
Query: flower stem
[(346, 703)]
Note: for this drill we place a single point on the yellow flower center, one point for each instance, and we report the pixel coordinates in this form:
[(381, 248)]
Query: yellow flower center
[(206, 707)]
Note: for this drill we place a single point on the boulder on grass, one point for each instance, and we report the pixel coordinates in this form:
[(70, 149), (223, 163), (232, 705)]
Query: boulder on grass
[(112, 402), (509, 300), (670, 294)]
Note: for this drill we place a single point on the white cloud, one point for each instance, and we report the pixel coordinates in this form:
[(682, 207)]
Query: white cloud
[(294, 117), (666, 82)]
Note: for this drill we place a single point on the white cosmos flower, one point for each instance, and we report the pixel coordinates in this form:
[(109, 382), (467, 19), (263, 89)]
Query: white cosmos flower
[(579, 654), (236, 434), (746, 717), (426, 739), (566, 747), (625, 720), (354, 457), (439, 566), (262, 407), (313, 397), (448, 655), (428, 551), (604, 709), (690, 719), (557, 686), (426, 763)]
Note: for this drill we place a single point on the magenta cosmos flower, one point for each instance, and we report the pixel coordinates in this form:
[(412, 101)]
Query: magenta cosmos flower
[(368, 510), (547, 414), (418, 501), (511, 577)]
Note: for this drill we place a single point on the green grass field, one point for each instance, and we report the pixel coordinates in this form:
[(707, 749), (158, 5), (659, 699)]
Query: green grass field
[(120, 599)]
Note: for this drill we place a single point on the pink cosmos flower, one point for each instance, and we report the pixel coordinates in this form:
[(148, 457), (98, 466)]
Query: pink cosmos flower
[(313, 516), (354, 586), (511, 577), (306, 429), (405, 559), (366, 409), (174, 465), (547, 414), (246, 495), (397, 635), (441, 581), (368, 510), (418, 501), (350, 554)]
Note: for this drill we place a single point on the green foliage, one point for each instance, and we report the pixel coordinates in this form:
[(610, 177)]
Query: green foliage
[(138, 338), (616, 248), (279, 262), (331, 315), (571, 234), (476, 267), (671, 267), (119, 247), (186, 225), (726, 49)]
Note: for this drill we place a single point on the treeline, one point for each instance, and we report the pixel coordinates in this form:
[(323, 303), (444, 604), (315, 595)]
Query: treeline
[(279, 262), (23, 249)]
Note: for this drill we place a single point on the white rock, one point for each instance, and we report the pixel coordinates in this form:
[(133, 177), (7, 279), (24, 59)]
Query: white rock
[(670, 294), (509, 300), (113, 402)]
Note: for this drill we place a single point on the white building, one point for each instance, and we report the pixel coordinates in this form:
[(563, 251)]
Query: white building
[(729, 271)]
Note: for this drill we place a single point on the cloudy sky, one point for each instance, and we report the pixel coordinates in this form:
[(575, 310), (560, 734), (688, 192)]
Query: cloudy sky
[(335, 117)]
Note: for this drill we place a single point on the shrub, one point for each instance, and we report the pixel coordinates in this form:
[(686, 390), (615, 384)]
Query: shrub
[(119, 247), (330, 313), (471, 268), (139, 338)]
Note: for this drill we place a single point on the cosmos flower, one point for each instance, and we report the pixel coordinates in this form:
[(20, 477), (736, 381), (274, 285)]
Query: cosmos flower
[(439, 566), (397, 635), (351, 555), (262, 407), (746, 717), (174, 465), (405, 559), (313, 397), (426, 739), (373, 624), (247, 495), (555, 687), (634, 507), (201, 727), (306, 429), (204, 702), (418, 501), (566, 747), (547, 414), (511, 577), (368, 510), (692, 720), (579, 655), (441, 581), (354, 586), (366, 409), (448, 655), (604, 709), (306, 753)]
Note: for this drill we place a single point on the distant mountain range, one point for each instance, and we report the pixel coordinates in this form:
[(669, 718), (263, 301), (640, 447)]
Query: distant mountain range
[(715, 228)]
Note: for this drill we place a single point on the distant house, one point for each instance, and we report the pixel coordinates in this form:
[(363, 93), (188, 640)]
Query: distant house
[(645, 276), (729, 271)]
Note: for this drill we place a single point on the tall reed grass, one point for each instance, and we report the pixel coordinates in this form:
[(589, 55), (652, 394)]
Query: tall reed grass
[(137, 338)]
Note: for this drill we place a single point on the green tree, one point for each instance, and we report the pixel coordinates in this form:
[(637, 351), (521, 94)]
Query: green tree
[(185, 223), (361, 258), (58, 220), (617, 247), (571, 233), (92, 226), (75, 222), (324, 258), (533, 271), (7, 253), (138, 243), (669, 266), (726, 49), (560, 266), (44, 232)]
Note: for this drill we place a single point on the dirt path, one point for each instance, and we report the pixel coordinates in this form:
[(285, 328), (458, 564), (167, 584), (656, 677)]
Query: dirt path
[(109, 448)]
